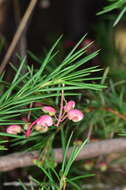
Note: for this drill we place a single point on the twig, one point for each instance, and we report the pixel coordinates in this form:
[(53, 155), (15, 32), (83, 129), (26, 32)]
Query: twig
[(85, 186), (90, 131), (115, 112), (29, 113), (18, 160), (17, 184), (102, 186), (61, 108), (22, 45), (18, 34)]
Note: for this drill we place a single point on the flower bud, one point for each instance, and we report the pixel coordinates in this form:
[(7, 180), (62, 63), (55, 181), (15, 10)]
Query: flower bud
[(77, 142), (103, 166), (69, 106), (45, 121), (48, 109), (14, 129), (41, 129), (75, 115), (26, 125), (88, 165)]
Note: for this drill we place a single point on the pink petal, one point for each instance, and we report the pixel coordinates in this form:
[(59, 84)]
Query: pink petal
[(45, 120), (75, 115), (14, 129), (69, 106), (49, 109)]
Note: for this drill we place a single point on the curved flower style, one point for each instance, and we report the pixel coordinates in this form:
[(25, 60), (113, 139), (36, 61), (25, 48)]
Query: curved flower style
[(49, 109), (44, 120), (75, 115), (69, 106), (14, 129)]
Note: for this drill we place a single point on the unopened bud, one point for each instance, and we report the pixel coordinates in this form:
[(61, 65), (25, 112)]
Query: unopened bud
[(69, 106), (77, 142), (88, 165), (14, 129), (48, 109), (102, 166)]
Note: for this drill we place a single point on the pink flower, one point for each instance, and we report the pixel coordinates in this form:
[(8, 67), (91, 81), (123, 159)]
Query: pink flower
[(69, 106), (49, 109), (14, 129), (45, 120), (75, 115)]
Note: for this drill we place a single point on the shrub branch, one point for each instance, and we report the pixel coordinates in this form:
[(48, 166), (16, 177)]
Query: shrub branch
[(93, 149)]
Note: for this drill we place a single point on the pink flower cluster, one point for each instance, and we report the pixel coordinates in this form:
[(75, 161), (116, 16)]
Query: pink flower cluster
[(73, 114), (42, 123)]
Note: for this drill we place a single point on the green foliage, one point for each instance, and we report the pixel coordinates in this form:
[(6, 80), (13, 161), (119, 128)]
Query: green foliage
[(115, 4), (37, 85), (2, 147), (104, 108), (105, 111), (40, 85), (59, 180)]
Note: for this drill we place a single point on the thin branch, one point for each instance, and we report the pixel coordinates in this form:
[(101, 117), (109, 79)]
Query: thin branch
[(18, 184), (22, 45), (61, 108), (18, 160), (18, 34), (111, 110), (85, 186), (115, 112), (90, 131)]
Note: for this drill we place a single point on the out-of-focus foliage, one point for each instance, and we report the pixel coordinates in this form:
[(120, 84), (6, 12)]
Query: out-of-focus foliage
[(119, 5), (2, 147)]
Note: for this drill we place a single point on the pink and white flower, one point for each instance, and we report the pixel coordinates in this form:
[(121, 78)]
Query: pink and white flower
[(14, 129), (45, 120), (75, 115), (49, 109), (69, 106)]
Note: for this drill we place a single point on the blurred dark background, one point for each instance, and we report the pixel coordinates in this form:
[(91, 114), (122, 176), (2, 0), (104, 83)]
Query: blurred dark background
[(51, 18)]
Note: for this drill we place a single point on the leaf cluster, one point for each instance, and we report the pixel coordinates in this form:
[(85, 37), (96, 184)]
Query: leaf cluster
[(59, 180), (38, 85), (115, 5)]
